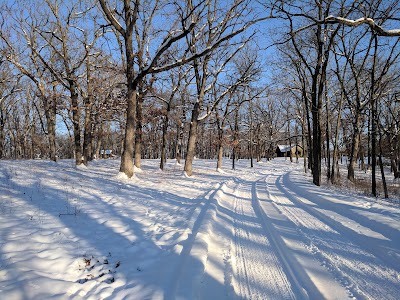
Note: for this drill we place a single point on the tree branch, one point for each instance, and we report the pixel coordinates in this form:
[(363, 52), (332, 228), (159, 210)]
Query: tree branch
[(365, 20)]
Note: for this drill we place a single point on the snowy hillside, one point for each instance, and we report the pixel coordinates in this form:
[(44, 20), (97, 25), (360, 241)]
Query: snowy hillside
[(261, 233)]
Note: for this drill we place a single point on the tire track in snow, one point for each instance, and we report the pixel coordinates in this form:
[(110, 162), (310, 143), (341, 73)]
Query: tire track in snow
[(228, 254), (310, 279), (336, 249), (259, 273), (301, 285)]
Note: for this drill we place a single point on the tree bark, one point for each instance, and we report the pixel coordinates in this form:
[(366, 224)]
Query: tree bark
[(385, 189), (334, 174), (220, 153), (327, 133), (50, 108), (139, 132), (165, 138), (52, 131), (76, 122), (220, 148), (129, 138), (191, 147), (235, 138), (354, 147), (251, 134), (2, 135), (179, 148), (89, 101)]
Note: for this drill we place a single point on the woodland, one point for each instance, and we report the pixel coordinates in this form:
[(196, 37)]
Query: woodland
[(155, 79)]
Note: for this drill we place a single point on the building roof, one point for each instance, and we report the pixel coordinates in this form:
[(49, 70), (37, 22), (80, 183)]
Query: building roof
[(286, 148)]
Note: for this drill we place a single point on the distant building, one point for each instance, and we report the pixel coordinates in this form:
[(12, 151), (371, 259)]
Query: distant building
[(285, 150), (106, 153)]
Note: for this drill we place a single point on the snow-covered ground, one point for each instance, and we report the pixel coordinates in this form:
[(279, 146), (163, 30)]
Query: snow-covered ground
[(260, 233)]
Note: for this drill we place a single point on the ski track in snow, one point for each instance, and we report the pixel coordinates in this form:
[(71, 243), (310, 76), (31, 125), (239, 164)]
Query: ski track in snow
[(260, 233)]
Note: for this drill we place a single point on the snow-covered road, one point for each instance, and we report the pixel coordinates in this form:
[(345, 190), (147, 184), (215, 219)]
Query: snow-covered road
[(252, 233), (271, 235)]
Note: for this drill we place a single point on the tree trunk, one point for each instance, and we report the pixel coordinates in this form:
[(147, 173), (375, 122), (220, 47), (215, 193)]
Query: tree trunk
[(385, 189), (179, 148), (89, 101), (369, 139), (164, 138), (373, 148), (258, 145), (235, 138), (2, 133), (50, 108), (290, 140), (251, 133), (309, 136), (328, 148), (179, 144), (373, 119), (220, 155), (76, 123), (304, 144), (334, 175), (394, 168), (220, 148), (354, 147), (52, 128), (316, 143), (138, 136), (129, 139), (87, 135), (191, 147)]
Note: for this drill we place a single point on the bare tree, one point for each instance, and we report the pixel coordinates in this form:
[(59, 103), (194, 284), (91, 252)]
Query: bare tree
[(58, 45), (15, 39), (184, 19), (8, 87)]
